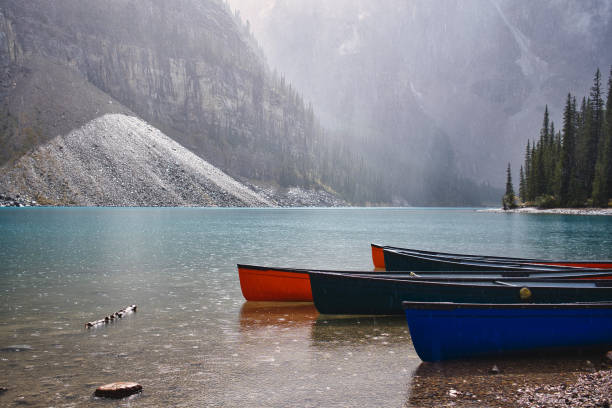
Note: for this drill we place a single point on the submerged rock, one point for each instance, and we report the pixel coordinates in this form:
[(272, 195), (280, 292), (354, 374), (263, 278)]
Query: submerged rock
[(118, 390)]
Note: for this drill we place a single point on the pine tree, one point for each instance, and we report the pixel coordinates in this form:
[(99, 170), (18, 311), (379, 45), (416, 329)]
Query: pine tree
[(532, 186), (527, 197), (597, 106), (551, 158), (567, 153), (522, 185), (591, 134), (509, 200), (544, 130), (556, 165), (538, 167), (583, 177), (602, 188), (608, 129)]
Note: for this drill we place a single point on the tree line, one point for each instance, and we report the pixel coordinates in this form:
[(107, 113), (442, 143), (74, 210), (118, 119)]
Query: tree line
[(571, 167)]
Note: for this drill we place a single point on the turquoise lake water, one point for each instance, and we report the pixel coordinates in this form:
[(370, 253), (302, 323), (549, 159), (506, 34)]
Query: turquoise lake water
[(194, 340)]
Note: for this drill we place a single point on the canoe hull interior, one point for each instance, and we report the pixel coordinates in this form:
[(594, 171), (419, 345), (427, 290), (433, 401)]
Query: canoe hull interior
[(439, 334), (399, 261), (262, 284), (378, 257)]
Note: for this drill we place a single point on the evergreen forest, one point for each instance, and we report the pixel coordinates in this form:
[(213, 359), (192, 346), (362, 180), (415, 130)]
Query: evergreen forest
[(570, 167)]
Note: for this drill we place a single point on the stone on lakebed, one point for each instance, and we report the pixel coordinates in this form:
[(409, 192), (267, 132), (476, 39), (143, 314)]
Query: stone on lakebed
[(118, 390)]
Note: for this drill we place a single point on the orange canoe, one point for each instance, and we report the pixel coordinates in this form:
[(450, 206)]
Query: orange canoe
[(259, 283)]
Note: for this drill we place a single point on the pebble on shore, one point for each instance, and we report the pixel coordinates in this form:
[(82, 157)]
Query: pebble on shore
[(592, 390)]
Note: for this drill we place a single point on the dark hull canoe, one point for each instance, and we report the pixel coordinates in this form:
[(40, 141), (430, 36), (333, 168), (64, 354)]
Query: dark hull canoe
[(379, 258), (262, 283), (443, 331), (352, 294), (401, 260)]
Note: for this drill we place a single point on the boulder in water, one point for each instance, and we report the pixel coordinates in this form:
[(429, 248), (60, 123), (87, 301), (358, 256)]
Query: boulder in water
[(118, 390)]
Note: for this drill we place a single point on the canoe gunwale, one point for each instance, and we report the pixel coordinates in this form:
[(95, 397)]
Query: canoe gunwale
[(505, 274), (476, 306), (267, 268), (587, 283)]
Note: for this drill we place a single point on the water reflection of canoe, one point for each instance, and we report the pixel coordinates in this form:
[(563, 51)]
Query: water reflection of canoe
[(329, 331), (262, 283), (265, 314), (396, 259), (444, 330), (353, 294)]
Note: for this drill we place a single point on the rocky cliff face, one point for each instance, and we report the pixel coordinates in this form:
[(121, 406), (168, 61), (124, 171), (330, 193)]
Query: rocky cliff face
[(188, 67)]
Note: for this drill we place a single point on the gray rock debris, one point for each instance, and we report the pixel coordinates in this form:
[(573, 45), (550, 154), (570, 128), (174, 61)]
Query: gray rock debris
[(592, 390), (119, 160)]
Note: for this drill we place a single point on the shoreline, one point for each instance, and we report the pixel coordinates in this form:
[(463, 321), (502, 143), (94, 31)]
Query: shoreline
[(519, 381), (557, 211)]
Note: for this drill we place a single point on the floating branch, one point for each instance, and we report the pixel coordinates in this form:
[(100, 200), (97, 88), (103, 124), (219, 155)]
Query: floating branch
[(112, 317)]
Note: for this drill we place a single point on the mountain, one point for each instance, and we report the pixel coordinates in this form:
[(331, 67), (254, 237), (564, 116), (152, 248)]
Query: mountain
[(193, 70), (472, 76), (190, 68)]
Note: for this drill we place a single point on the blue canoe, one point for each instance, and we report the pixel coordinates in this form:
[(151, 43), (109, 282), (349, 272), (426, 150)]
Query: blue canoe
[(445, 331)]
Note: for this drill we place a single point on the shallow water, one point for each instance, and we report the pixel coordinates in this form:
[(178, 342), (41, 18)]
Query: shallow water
[(194, 341)]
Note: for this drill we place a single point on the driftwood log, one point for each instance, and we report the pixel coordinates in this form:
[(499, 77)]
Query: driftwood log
[(112, 317)]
